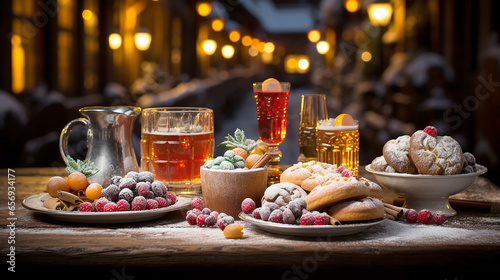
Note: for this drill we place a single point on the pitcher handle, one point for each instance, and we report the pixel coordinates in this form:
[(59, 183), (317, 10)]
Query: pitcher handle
[(63, 139)]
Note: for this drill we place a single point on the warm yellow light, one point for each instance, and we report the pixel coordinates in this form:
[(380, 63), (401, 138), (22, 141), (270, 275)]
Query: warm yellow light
[(266, 58), (352, 6), (227, 51), (87, 14), (322, 47), (255, 42), (18, 64), (217, 24), (209, 47), (314, 35), (115, 41), (234, 36), (366, 56), (252, 51), (260, 46), (204, 9), (303, 64), (269, 47), (142, 40), (380, 13), (290, 64), (246, 41)]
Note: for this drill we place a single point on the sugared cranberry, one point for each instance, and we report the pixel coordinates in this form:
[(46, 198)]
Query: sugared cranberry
[(197, 203), (411, 216), (439, 217), (432, 131), (424, 216)]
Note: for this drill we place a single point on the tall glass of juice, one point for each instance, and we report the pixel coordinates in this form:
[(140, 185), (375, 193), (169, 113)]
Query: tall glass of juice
[(271, 99), (175, 143)]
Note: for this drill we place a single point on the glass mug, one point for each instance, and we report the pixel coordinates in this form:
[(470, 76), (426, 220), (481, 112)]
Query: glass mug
[(338, 144), (175, 143)]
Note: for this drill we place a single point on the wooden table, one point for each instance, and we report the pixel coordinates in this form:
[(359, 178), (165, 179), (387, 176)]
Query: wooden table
[(466, 245)]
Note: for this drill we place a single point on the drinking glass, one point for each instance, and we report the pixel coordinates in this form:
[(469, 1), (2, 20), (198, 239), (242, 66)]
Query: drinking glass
[(338, 144), (272, 116), (312, 109), (175, 143)]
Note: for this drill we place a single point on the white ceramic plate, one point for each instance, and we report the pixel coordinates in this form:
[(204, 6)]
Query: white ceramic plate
[(309, 231), (35, 203), (427, 191)]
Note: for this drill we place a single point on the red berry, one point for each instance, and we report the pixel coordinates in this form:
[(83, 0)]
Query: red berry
[(210, 221), (432, 131), (122, 205), (172, 197), (307, 219), (206, 211), (424, 216), (151, 204), (340, 169), (110, 207), (143, 189), (276, 216), (321, 219), (197, 203), (86, 207), (99, 205), (256, 214), (200, 220), (215, 214), (139, 203), (162, 202), (224, 221), (411, 216), (347, 173), (439, 217), (248, 205), (191, 218)]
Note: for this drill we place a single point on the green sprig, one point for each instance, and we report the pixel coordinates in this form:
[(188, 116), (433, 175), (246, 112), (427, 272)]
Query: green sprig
[(85, 167)]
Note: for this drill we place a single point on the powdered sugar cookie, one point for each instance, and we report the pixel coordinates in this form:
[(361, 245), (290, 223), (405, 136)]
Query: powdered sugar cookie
[(440, 155), (335, 190), (379, 164), (397, 155), (300, 171), (366, 209)]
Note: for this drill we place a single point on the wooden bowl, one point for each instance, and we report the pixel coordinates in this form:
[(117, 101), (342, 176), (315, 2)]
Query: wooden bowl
[(224, 190)]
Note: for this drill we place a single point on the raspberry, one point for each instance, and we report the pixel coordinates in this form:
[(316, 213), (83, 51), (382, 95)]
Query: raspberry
[(134, 175), (223, 222), (151, 204), (111, 193), (139, 203), (122, 205), (347, 173), (86, 207), (340, 169), (215, 214), (195, 211), (128, 183), (145, 176), (110, 207), (321, 219), (126, 194), (197, 203), (210, 221), (288, 217), (411, 216), (191, 218), (158, 188), (162, 202), (276, 216), (439, 217), (221, 215), (265, 212), (206, 211), (424, 216), (432, 131), (172, 197), (200, 220), (99, 205), (307, 219), (248, 205), (256, 213), (143, 189)]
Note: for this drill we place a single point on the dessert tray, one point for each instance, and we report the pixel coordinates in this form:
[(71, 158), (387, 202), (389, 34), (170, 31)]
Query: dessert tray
[(35, 203), (309, 231)]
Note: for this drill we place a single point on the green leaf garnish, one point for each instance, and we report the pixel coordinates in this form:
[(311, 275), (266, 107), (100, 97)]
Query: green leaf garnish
[(238, 141), (85, 167)]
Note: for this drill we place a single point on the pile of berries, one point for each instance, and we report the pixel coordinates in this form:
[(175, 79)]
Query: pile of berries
[(230, 161), (204, 217), (424, 216), (136, 192), (294, 213)]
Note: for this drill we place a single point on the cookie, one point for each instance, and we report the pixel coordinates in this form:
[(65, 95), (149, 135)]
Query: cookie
[(335, 190), (379, 164), (362, 210), (397, 155), (283, 193), (440, 155)]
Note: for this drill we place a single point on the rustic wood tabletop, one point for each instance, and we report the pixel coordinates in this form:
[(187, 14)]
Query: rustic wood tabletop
[(467, 245)]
